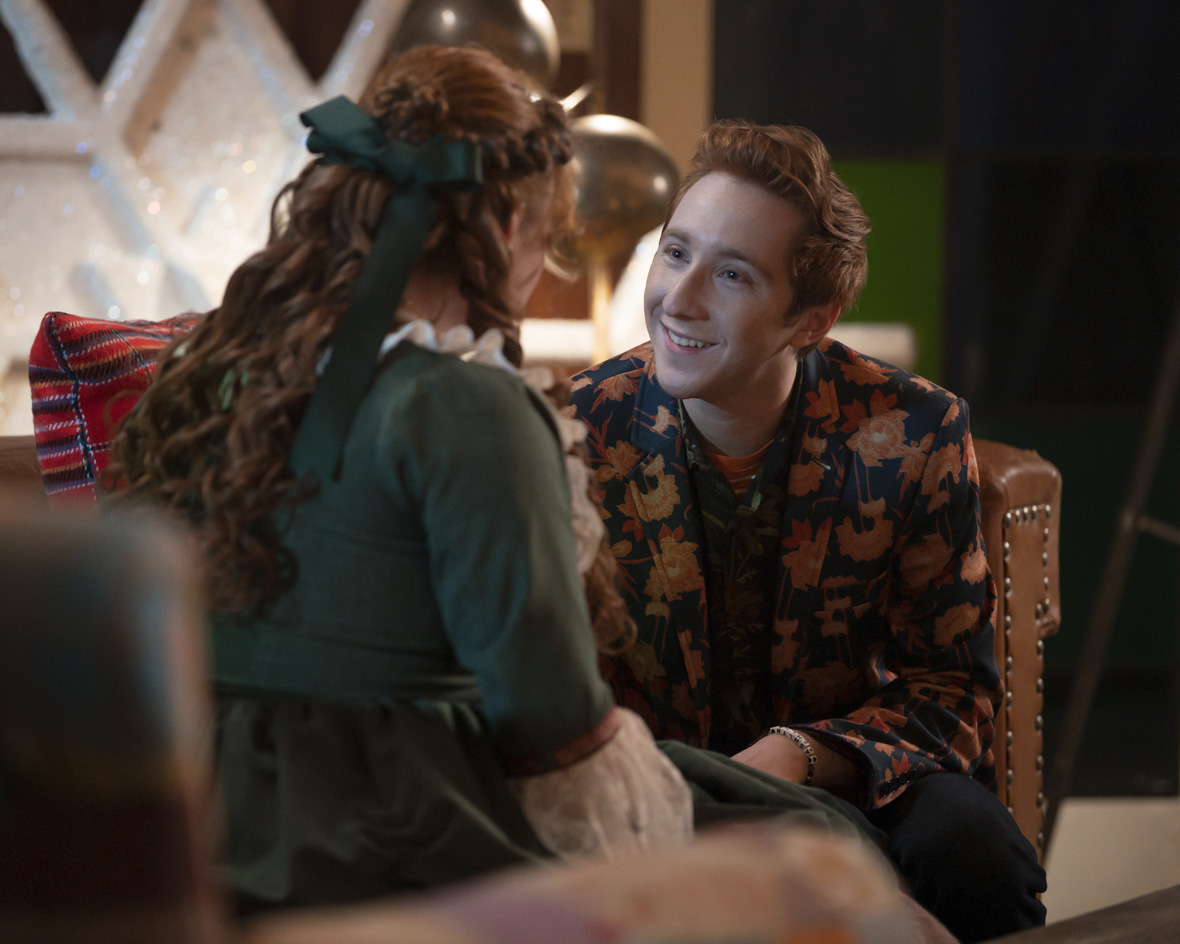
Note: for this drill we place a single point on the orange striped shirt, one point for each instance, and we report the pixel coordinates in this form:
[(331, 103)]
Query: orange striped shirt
[(739, 470)]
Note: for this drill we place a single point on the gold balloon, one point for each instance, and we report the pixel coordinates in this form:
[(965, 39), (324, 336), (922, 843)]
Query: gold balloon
[(625, 180), (521, 32)]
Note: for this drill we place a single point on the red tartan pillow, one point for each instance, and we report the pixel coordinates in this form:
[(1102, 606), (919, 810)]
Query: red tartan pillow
[(86, 375)]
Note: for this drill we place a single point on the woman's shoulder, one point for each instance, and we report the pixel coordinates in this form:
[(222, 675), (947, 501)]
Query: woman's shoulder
[(435, 410)]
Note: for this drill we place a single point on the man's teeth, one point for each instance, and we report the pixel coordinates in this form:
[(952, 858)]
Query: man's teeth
[(685, 342)]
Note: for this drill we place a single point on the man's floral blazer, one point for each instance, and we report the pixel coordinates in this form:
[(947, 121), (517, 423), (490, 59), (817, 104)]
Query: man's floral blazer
[(882, 635)]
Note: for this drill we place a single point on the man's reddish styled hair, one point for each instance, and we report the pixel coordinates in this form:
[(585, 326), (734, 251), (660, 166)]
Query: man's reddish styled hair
[(830, 261)]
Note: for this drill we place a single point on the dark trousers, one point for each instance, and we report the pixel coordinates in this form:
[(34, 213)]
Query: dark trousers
[(961, 855)]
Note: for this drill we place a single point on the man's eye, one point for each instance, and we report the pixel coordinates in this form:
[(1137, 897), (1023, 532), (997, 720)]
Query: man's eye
[(733, 275), (675, 253)]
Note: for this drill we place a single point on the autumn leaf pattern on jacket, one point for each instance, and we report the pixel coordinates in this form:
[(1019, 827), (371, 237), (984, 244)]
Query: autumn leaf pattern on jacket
[(882, 642)]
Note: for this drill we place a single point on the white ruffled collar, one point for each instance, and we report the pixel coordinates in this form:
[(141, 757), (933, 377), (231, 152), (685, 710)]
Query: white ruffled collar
[(460, 340), (487, 349)]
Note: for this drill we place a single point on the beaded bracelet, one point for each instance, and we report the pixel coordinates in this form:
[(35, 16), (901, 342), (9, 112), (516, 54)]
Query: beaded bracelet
[(804, 745)]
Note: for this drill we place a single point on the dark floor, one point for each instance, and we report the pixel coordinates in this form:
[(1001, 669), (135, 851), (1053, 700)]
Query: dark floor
[(1131, 746)]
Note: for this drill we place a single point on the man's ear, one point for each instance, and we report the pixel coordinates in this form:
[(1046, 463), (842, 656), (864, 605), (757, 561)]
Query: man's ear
[(814, 323)]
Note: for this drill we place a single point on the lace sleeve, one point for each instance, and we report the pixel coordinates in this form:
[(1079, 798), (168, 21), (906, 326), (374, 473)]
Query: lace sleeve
[(625, 797)]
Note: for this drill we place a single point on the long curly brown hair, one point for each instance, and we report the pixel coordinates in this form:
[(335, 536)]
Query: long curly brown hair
[(211, 437)]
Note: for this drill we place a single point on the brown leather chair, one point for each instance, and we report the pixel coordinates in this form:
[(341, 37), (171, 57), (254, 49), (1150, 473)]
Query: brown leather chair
[(1020, 495), (1021, 504)]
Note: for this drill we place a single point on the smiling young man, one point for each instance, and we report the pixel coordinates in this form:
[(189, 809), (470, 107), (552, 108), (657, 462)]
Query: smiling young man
[(797, 529)]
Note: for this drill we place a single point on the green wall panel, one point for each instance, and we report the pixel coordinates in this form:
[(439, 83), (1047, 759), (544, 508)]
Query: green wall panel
[(905, 201)]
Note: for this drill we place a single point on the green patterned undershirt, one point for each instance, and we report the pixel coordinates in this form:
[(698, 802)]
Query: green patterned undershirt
[(741, 547)]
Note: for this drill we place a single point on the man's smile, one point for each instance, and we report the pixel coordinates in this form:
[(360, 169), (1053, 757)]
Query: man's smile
[(681, 341)]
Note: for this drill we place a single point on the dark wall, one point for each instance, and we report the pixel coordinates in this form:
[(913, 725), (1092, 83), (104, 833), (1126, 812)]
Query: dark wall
[(1064, 143), (866, 77)]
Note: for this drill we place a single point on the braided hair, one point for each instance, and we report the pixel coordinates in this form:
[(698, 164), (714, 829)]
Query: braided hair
[(211, 437), (519, 161)]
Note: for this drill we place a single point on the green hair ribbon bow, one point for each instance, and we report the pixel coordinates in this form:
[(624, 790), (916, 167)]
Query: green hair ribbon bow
[(345, 134)]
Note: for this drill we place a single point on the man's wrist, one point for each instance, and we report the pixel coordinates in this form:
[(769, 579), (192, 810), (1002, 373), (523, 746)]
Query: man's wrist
[(804, 745)]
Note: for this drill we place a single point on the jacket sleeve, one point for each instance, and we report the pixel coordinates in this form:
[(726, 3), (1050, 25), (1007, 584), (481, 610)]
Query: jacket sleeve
[(933, 676)]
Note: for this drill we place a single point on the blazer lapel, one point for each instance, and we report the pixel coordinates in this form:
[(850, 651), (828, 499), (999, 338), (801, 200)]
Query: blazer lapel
[(660, 491), (820, 468)]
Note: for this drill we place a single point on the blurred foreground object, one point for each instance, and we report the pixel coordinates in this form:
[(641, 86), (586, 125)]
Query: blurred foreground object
[(752, 884), (521, 32), (105, 725)]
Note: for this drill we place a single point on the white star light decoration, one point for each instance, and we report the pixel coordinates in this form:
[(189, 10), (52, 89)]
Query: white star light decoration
[(136, 198)]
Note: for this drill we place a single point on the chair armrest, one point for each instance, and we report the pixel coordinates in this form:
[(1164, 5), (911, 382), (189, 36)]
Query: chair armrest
[(20, 474), (1020, 496)]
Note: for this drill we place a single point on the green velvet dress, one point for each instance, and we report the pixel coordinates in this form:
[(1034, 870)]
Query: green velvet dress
[(436, 642), (436, 637)]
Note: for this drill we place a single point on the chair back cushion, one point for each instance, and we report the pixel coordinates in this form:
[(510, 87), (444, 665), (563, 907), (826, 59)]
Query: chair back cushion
[(86, 375)]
